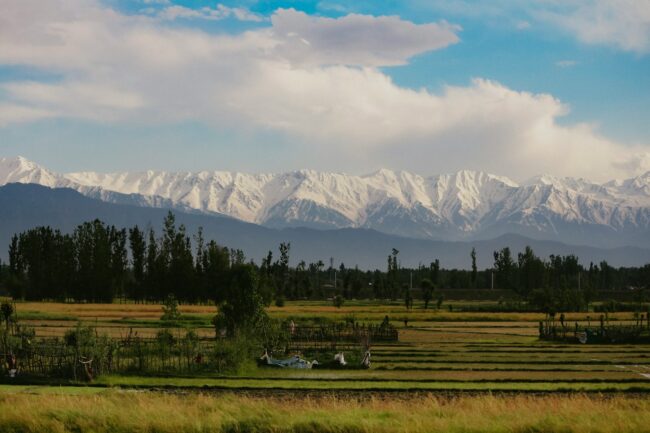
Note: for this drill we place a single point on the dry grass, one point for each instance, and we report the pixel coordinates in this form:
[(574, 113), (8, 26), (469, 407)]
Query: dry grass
[(309, 309), (45, 329), (464, 325), (104, 311), (163, 413)]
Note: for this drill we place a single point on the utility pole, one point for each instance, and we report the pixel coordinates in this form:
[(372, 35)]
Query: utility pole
[(335, 280), (492, 280), (411, 280)]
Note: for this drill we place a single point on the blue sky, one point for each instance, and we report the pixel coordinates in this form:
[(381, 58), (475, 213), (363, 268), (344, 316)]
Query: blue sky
[(501, 86)]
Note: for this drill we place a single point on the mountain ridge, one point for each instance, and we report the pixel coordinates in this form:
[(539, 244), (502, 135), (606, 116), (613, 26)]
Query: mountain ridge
[(24, 206), (465, 205)]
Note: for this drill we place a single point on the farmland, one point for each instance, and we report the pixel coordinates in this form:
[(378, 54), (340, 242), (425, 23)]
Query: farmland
[(450, 371), (438, 350)]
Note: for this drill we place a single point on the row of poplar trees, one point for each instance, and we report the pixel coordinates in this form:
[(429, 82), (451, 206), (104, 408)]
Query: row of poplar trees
[(92, 264), (98, 263)]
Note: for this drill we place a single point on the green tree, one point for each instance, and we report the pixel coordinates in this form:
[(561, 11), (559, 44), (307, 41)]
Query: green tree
[(155, 266), (408, 298), (392, 277), (531, 272), (504, 269), (216, 268), (177, 253), (434, 272), (138, 248), (119, 260), (282, 272), (241, 308), (474, 277), (440, 300), (427, 291), (6, 310)]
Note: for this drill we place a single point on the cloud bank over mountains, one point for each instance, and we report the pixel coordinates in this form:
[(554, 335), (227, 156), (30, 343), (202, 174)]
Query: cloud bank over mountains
[(317, 82)]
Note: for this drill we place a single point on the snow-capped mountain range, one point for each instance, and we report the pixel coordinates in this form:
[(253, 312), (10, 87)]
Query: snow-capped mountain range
[(459, 206)]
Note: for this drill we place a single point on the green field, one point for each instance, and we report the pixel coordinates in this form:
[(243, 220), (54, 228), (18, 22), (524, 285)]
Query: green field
[(449, 372), (438, 350)]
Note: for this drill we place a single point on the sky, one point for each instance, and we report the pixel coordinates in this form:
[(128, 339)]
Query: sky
[(558, 87)]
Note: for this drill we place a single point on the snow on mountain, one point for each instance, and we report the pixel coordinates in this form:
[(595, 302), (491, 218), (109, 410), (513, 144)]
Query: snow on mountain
[(462, 205), (21, 170)]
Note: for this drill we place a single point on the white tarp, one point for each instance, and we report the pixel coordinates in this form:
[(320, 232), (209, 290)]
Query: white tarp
[(293, 362)]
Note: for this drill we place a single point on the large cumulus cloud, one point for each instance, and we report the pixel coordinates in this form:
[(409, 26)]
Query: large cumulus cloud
[(315, 81)]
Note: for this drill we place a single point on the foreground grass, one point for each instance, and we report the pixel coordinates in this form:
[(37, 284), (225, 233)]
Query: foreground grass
[(47, 389), (166, 413), (378, 385)]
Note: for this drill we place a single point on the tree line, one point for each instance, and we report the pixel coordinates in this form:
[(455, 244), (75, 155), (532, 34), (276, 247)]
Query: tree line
[(98, 263)]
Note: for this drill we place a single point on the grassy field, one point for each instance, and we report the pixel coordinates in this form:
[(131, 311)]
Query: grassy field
[(117, 319), (65, 410), (449, 372), (438, 350)]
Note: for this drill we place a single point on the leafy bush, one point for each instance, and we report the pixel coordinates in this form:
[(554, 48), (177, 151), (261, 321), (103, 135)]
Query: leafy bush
[(6, 311), (170, 309), (164, 337), (237, 354), (79, 336)]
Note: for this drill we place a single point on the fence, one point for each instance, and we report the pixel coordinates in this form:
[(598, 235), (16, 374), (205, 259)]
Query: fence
[(636, 332), (55, 357), (339, 336)]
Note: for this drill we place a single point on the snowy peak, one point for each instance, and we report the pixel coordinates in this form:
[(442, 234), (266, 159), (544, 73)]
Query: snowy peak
[(21, 170), (465, 197), (638, 184), (14, 166), (462, 205)]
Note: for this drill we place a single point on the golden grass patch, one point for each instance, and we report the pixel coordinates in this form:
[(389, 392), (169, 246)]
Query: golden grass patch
[(166, 413)]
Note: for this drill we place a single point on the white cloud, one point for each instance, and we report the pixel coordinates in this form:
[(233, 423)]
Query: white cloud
[(332, 6), (14, 113), (624, 24), (93, 101), (175, 12), (356, 39), (315, 81), (220, 12), (522, 25), (566, 63), (243, 14), (621, 23)]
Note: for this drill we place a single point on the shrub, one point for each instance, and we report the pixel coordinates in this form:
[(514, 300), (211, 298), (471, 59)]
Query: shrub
[(7, 310), (164, 337), (237, 354), (170, 309), (80, 336)]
